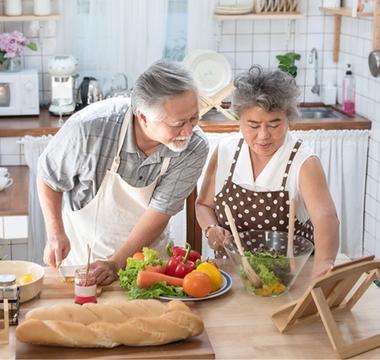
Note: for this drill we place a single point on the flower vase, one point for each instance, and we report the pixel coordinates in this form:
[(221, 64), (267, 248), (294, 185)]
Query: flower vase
[(11, 65)]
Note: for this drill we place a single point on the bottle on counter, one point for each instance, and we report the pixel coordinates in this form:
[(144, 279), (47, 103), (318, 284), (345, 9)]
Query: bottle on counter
[(348, 86)]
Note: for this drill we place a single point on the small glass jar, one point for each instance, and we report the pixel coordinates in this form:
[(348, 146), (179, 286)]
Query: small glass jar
[(9, 305), (84, 286)]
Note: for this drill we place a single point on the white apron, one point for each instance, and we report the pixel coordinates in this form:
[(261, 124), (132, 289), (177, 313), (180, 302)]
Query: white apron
[(106, 221)]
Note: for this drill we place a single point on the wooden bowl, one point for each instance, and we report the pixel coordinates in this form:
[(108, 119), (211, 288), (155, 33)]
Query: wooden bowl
[(20, 268)]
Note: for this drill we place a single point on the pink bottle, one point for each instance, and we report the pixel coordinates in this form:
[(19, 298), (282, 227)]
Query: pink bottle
[(348, 91)]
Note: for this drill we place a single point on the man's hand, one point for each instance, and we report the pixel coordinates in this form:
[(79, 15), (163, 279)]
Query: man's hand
[(56, 249), (104, 271)]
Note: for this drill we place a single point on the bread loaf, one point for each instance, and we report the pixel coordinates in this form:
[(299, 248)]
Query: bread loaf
[(133, 323)]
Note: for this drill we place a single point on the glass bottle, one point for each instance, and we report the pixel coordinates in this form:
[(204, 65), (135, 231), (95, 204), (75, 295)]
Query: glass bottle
[(348, 87), (13, 7), (9, 305), (84, 286)]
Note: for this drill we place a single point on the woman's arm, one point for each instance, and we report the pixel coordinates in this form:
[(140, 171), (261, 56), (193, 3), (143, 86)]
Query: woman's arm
[(320, 206), (204, 206)]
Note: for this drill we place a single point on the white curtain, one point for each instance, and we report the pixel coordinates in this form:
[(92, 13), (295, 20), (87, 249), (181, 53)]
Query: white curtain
[(111, 36), (200, 25), (33, 147), (343, 155)]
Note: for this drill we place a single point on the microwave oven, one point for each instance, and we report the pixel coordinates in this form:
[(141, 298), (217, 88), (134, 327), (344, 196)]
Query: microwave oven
[(19, 93)]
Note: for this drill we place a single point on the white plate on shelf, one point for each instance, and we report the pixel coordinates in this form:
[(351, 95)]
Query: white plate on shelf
[(226, 286), (211, 71)]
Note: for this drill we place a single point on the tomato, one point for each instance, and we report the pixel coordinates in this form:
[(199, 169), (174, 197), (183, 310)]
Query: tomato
[(212, 271), (197, 284), (138, 256)]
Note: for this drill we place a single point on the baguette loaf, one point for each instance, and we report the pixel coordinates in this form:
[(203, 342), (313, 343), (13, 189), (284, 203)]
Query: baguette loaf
[(132, 323)]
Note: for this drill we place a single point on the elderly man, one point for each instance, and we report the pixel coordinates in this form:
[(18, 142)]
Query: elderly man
[(122, 172)]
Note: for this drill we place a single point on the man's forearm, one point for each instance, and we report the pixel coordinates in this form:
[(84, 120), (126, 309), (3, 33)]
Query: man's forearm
[(145, 232), (51, 202)]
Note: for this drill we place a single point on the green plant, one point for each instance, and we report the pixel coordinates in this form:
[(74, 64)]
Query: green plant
[(287, 62)]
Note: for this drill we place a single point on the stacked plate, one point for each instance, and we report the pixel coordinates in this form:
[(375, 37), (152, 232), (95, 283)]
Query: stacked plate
[(233, 10), (211, 71)]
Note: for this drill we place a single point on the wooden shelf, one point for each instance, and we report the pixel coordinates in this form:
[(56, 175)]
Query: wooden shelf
[(261, 16), (53, 17), (344, 12)]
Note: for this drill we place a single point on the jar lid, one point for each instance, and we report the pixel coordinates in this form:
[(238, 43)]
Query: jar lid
[(7, 279)]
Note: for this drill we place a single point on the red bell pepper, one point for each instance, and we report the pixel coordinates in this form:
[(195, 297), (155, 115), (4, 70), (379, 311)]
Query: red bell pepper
[(179, 266), (181, 251)]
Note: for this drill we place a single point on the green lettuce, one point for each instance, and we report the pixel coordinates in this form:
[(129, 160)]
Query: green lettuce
[(128, 277)]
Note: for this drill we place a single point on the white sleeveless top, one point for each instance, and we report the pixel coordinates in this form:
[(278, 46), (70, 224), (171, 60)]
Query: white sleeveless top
[(271, 176)]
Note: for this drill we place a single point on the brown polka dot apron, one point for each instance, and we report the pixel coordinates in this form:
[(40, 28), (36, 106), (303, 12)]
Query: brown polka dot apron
[(258, 210)]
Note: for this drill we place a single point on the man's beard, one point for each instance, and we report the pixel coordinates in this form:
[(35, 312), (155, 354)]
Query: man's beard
[(179, 143)]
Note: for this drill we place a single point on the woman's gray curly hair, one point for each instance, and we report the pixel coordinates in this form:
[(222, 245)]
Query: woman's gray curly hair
[(271, 90)]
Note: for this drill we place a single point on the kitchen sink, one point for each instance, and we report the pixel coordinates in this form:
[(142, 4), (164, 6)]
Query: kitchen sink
[(320, 113)]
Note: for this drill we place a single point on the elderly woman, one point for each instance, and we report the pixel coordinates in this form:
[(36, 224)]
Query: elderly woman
[(260, 169)]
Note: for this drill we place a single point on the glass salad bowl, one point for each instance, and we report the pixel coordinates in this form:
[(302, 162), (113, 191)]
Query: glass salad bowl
[(266, 252)]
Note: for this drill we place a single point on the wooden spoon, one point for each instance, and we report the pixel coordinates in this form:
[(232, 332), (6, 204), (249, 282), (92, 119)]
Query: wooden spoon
[(251, 274), (290, 249)]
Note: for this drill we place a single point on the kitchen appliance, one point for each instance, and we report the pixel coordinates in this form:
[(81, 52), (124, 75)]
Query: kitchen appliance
[(89, 92), (62, 69), (119, 86), (19, 93)]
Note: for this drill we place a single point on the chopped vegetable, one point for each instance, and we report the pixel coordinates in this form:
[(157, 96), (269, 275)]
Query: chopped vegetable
[(179, 266), (146, 279), (181, 251), (138, 256), (213, 272)]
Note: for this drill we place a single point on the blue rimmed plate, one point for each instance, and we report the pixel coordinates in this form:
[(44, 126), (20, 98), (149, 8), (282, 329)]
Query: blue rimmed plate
[(226, 286)]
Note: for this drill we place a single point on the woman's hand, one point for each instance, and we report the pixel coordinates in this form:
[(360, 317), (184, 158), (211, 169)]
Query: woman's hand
[(216, 237), (105, 271), (56, 249)]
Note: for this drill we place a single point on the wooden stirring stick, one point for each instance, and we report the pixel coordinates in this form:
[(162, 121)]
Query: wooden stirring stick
[(290, 248), (88, 263), (251, 274)]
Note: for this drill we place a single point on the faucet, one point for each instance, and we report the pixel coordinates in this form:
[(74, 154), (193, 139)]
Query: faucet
[(313, 58)]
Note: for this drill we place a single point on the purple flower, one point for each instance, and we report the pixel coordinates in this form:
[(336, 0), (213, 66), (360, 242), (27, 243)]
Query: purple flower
[(13, 44)]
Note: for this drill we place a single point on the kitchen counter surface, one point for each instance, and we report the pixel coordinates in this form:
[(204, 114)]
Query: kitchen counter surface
[(46, 123), (239, 325), (14, 199)]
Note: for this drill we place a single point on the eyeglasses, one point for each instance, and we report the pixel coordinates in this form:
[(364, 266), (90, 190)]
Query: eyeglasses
[(180, 126)]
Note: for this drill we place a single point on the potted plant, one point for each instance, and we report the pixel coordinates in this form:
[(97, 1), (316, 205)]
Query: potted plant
[(12, 46), (287, 62)]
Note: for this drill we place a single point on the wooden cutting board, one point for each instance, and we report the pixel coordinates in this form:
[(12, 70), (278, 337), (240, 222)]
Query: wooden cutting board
[(54, 287), (195, 348)]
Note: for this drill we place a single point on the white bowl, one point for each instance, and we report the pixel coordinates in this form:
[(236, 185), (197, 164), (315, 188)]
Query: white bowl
[(20, 268)]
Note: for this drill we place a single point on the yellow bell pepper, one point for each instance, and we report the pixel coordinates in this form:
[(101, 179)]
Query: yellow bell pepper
[(212, 271)]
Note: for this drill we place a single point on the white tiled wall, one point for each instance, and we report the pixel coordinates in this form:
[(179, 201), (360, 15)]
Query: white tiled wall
[(245, 42), (11, 152), (258, 42), (44, 35)]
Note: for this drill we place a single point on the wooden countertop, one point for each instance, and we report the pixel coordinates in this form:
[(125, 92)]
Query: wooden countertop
[(239, 325), (14, 199), (14, 126)]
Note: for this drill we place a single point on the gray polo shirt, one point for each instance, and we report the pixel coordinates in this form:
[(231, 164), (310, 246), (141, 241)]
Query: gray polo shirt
[(77, 158)]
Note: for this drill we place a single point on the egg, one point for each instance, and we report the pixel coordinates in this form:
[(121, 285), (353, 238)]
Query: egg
[(25, 279)]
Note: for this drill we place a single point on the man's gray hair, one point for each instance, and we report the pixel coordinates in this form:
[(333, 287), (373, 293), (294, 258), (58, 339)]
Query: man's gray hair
[(159, 82), (271, 90)]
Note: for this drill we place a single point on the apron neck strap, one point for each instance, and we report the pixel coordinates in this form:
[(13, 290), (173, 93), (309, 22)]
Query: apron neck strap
[(289, 164), (165, 165), (122, 135), (234, 161)]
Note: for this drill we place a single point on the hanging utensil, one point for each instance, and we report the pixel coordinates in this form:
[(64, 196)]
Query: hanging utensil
[(374, 63), (251, 274), (290, 248)]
